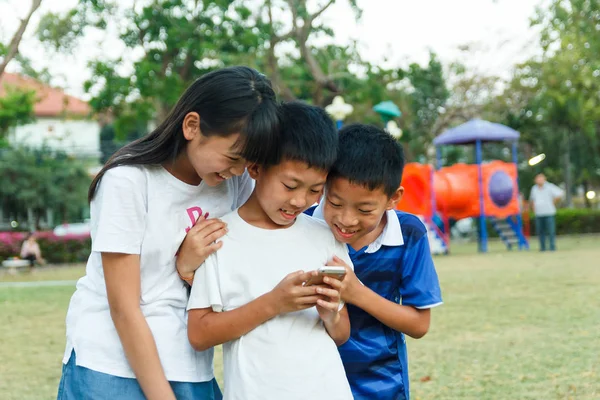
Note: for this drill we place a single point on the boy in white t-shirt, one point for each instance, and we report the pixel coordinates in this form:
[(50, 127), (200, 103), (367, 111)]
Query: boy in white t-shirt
[(280, 337)]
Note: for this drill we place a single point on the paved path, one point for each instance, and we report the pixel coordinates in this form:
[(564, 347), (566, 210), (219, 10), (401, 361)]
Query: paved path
[(36, 284)]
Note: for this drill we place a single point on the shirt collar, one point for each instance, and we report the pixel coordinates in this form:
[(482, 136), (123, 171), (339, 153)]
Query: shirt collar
[(391, 235)]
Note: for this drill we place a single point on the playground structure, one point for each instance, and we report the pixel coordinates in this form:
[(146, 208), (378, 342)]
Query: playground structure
[(487, 191)]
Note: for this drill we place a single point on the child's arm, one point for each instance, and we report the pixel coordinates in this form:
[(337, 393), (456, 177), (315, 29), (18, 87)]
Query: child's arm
[(405, 319), (207, 328), (122, 276), (121, 213), (201, 241), (336, 321), (419, 287)]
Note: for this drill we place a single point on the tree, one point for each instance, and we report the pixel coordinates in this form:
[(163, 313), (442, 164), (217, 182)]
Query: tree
[(428, 97), (42, 179), (108, 144), (178, 40), (301, 25), (441, 97), (567, 79), (16, 108), (8, 53)]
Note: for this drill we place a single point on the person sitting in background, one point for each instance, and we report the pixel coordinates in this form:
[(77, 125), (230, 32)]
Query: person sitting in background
[(30, 250), (542, 200)]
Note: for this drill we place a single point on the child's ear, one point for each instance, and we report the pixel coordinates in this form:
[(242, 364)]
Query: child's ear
[(191, 125), (254, 170), (395, 199)]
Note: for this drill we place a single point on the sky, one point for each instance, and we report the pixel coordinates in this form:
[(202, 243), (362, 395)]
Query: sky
[(390, 33)]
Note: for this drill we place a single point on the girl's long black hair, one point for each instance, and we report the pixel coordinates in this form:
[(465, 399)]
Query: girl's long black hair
[(229, 100)]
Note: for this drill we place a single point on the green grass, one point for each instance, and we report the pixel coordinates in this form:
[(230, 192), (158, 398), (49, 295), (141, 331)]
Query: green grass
[(31, 341), (515, 325), (46, 273)]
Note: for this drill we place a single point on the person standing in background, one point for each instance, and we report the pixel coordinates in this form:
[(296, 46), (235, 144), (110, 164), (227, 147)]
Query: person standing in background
[(542, 200)]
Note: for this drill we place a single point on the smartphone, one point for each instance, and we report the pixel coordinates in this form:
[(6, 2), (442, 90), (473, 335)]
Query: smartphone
[(331, 271)]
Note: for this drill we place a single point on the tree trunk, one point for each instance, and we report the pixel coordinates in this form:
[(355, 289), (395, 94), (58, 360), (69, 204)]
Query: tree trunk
[(30, 219), (272, 65), (586, 188), (568, 171), (13, 47), (49, 218), (162, 110)]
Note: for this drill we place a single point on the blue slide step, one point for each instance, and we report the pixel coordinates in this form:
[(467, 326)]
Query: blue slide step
[(510, 231)]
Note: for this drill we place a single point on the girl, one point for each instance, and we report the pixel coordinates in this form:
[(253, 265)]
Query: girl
[(126, 323), (30, 250)]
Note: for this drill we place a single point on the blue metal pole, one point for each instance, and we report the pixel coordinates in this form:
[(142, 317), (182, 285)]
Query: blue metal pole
[(438, 156), (515, 156), (482, 227), (339, 124), (516, 162)]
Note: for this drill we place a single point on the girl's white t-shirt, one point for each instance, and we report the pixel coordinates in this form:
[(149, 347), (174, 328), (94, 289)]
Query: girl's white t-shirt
[(145, 210)]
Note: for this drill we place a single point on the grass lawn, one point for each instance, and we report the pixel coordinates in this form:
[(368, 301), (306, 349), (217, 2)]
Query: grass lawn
[(515, 325)]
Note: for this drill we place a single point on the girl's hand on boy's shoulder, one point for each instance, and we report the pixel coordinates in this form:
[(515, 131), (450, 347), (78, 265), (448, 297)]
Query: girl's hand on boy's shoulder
[(199, 243), (350, 286)]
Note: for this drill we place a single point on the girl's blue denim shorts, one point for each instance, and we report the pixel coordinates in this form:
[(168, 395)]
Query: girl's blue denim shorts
[(80, 383)]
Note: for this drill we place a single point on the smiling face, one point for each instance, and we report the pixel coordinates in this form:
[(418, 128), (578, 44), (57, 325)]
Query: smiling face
[(212, 159), (215, 158), (354, 213), (281, 193)]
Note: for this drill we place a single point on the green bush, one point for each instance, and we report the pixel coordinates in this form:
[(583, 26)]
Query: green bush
[(55, 249), (571, 221), (70, 250)]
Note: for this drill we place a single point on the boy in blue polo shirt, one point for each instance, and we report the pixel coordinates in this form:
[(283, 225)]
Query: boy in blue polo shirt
[(394, 283)]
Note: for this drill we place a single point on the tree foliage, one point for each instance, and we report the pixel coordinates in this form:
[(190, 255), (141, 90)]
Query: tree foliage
[(41, 179), (16, 108), (554, 100), (10, 51), (179, 40)]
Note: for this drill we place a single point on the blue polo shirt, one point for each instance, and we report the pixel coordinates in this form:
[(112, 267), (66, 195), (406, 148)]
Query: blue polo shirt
[(397, 266)]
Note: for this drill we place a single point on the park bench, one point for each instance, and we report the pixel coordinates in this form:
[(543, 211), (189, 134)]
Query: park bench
[(13, 265)]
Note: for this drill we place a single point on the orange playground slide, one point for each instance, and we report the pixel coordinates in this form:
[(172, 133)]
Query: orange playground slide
[(456, 190)]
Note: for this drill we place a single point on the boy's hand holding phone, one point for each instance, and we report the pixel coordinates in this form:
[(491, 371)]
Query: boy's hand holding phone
[(349, 287), (328, 305), (291, 295)]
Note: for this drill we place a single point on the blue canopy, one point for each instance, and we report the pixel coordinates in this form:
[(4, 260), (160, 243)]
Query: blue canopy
[(475, 130)]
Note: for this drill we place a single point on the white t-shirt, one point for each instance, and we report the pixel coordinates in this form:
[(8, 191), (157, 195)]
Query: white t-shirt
[(543, 199), (290, 356), (146, 211)]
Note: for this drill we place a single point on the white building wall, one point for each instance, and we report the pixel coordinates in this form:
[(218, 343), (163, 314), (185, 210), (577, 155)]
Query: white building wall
[(80, 138)]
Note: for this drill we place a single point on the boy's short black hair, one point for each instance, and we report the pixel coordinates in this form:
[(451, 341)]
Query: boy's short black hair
[(370, 157), (308, 134)]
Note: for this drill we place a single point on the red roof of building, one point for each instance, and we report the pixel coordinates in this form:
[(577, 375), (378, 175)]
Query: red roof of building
[(52, 102)]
